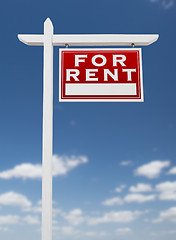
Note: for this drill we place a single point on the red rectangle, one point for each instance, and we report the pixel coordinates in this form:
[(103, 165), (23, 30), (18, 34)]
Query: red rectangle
[(100, 75)]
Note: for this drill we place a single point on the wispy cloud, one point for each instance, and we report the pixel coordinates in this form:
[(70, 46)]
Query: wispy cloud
[(162, 233), (141, 187), (61, 166), (139, 198), (16, 219), (31, 219), (166, 4), (126, 163), (119, 189), (152, 170), (4, 229), (9, 219), (95, 234), (73, 123), (113, 201), (132, 197), (162, 191), (74, 217), (72, 231), (115, 217), (123, 231), (69, 230)]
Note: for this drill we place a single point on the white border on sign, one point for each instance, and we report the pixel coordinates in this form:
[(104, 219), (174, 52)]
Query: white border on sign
[(96, 99)]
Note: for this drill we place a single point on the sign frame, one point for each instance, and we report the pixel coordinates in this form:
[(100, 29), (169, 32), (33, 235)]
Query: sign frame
[(141, 99)]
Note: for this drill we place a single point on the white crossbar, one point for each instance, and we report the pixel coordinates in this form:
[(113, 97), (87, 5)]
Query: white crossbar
[(92, 39)]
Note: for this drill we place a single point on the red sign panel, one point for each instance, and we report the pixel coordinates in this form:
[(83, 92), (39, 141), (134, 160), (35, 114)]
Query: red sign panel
[(100, 75)]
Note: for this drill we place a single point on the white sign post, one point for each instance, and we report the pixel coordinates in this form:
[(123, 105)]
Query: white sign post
[(47, 132), (48, 40)]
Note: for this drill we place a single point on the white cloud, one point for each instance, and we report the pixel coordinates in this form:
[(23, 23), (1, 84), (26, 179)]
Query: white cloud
[(38, 209), (115, 217), (139, 198), (152, 169), (56, 211), (132, 197), (74, 217), (165, 3), (171, 232), (69, 230), (14, 199), (15, 219), (61, 166), (167, 190), (9, 219), (161, 233), (64, 164), (24, 170), (95, 234), (122, 231), (126, 163), (72, 123), (113, 201), (91, 233), (32, 209), (119, 189), (31, 219), (4, 229), (172, 170), (141, 187), (167, 215)]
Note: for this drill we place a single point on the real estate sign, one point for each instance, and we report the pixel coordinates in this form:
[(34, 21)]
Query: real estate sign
[(100, 75)]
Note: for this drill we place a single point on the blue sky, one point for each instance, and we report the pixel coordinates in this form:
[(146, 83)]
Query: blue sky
[(122, 185)]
